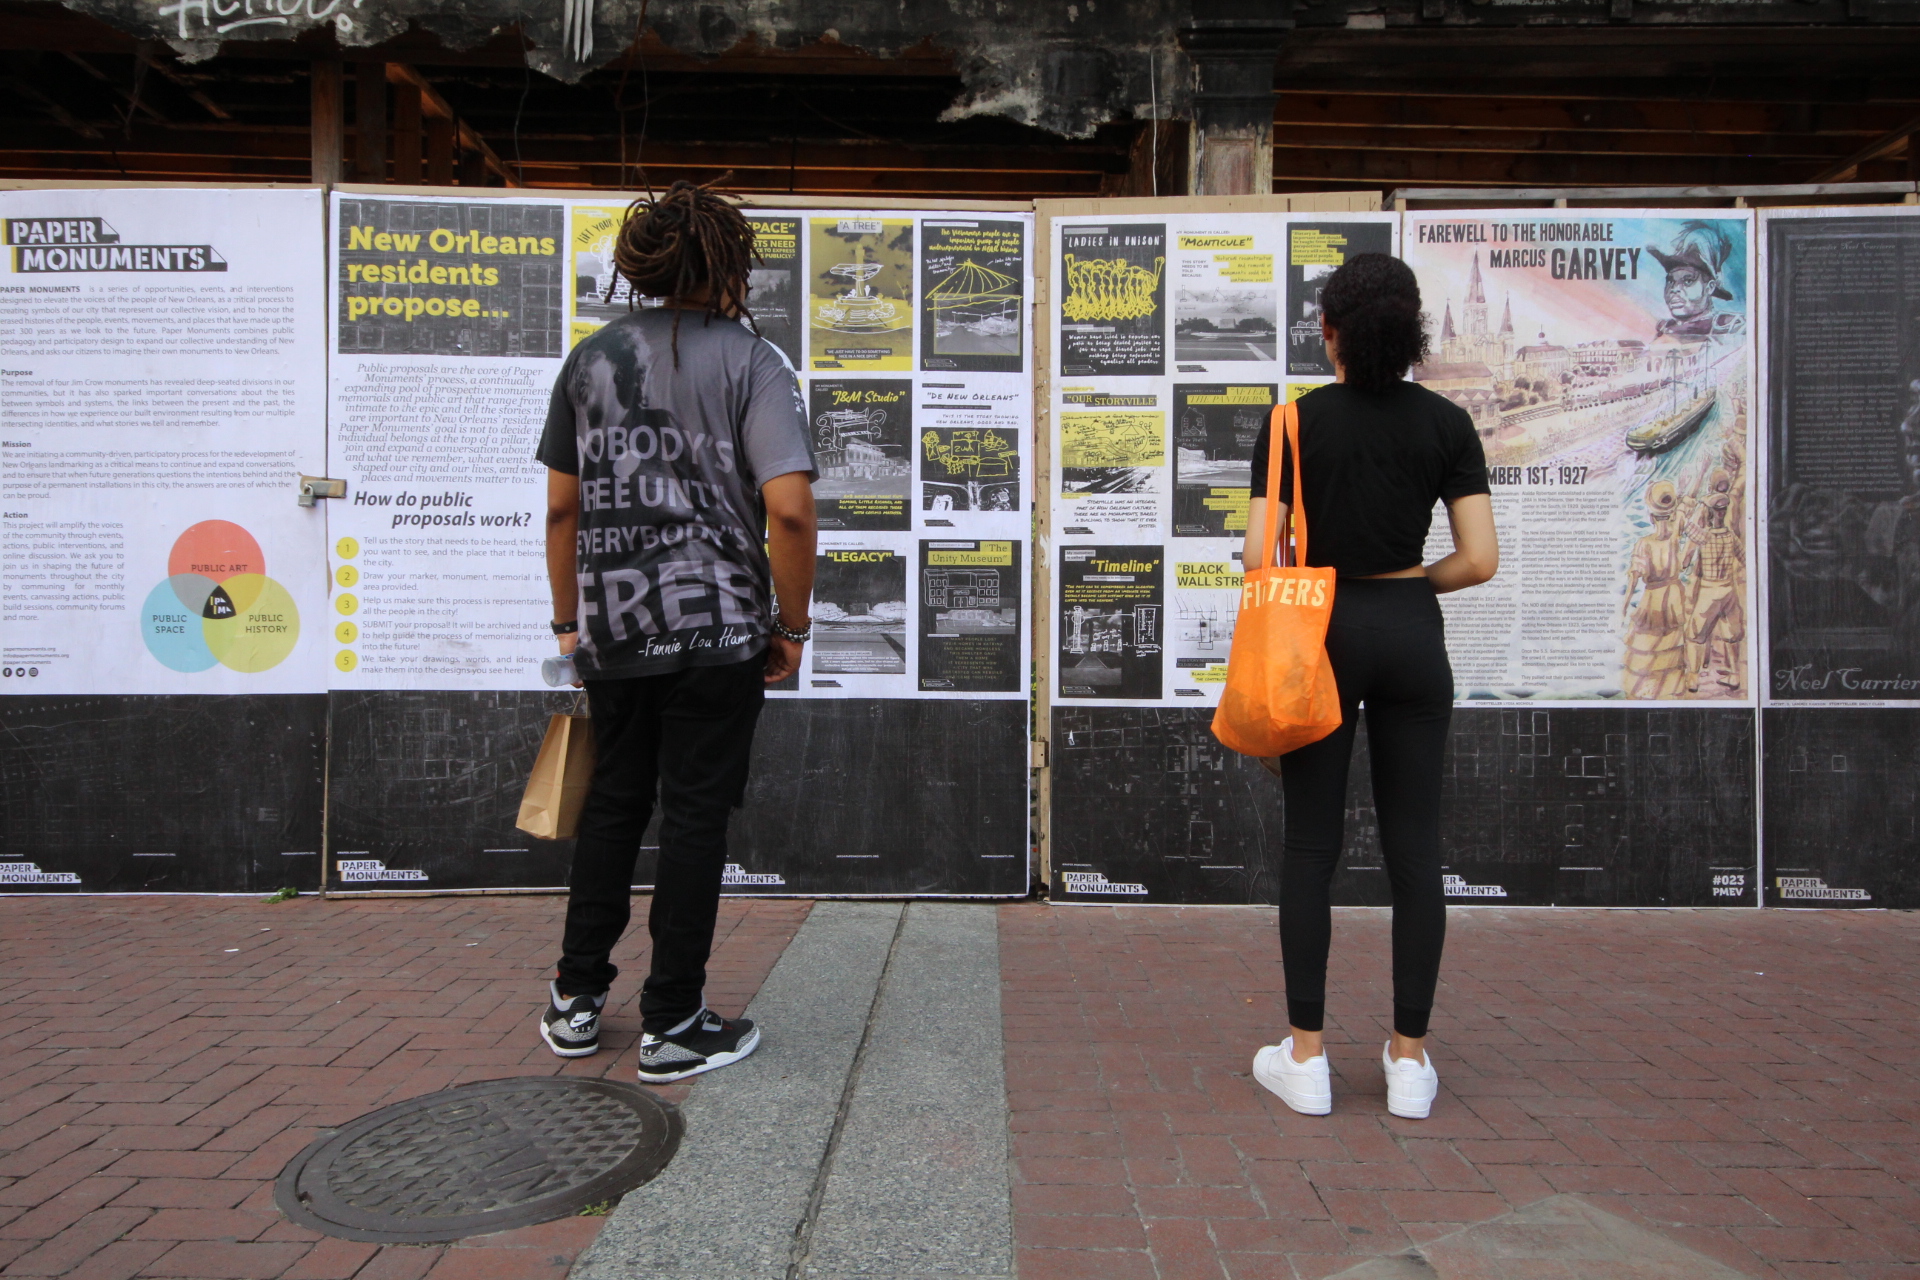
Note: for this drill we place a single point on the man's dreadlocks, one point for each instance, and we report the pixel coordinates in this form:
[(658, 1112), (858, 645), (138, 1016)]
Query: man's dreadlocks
[(687, 239)]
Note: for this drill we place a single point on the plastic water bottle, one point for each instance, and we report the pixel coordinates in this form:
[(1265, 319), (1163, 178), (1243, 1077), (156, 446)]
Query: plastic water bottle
[(558, 670)]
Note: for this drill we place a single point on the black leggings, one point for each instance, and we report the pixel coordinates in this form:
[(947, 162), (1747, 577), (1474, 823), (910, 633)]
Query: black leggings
[(1389, 651)]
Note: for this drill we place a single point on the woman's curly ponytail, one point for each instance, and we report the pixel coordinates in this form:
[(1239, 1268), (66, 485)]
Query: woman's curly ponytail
[(1373, 305)]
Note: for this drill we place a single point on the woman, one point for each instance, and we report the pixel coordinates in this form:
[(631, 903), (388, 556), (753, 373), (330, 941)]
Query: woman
[(1378, 452), (1654, 668)]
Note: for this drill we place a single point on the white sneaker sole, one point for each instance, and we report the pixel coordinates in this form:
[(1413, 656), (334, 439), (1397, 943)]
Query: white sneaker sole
[(560, 1051), (1408, 1108), (1410, 1111), (1278, 1085), (717, 1061)]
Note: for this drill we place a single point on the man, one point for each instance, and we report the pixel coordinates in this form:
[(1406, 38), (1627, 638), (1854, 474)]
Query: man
[(679, 509), (1699, 258), (1716, 624)]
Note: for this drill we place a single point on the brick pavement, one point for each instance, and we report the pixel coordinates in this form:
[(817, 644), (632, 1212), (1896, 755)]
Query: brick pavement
[(163, 1057), (1746, 1084)]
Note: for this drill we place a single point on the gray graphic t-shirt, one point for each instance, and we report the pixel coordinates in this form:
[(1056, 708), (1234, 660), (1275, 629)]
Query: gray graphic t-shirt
[(672, 554)]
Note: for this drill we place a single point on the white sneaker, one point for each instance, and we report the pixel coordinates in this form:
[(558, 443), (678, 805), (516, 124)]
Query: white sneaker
[(1304, 1086), (1411, 1086)]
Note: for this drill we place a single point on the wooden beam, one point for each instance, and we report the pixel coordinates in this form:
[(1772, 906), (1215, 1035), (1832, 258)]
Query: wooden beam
[(1488, 110), (326, 130), (370, 122), (1796, 148), (55, 112), (439, 151), (1885, 145), (1704, 84), (435, 107), (406, 134), (126, 95), (1429, 168), (180, 82)]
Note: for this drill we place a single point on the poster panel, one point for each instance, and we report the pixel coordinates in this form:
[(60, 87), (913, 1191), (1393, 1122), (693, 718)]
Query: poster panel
[(1842, 470), (919, 404), (451, 316), (1113, 299), (1604, 357), (1172, 347), (1315, 249), (970, 617), (863, 450), (860, 299), (972, 295), (163, 392)]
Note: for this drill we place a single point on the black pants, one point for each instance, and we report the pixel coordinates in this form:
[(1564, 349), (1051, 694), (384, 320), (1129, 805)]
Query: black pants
[(1388, 650), (687, 734)]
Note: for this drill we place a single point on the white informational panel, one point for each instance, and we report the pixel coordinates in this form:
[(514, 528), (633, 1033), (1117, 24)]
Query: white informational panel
[(162, 390), (908, 330), (1607, 359), (448, 328), (1173, 337)]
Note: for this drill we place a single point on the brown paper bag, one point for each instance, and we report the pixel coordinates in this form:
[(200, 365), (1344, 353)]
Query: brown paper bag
[(562, 771)]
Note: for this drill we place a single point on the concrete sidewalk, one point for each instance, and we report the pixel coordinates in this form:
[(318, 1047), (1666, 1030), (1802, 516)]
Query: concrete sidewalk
[(965, 1092)]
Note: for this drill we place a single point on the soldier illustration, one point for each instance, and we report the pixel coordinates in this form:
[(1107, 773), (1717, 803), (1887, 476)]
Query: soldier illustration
[(1699, 256), (1716, 623), (1654, 639)]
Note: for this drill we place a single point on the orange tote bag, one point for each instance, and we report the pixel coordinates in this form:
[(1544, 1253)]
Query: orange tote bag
[(1280, 691)]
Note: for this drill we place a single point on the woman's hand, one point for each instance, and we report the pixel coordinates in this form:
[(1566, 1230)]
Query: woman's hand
[(1476, 546)]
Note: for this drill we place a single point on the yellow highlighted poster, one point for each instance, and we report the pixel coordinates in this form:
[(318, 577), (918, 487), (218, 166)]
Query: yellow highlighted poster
[(860, 294), (598, 292)]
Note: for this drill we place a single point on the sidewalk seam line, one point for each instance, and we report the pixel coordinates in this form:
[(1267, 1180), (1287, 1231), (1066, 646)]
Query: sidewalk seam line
[(803, 1233)]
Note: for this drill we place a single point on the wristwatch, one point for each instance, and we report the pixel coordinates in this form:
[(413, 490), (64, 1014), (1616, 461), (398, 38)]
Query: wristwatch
[(787, 633), (566, 628)]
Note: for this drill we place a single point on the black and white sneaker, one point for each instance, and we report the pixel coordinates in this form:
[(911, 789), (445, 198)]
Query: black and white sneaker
[(571, 1028), (701, 1043)]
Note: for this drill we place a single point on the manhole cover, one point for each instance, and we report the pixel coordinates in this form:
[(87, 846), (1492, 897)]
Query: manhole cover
[(479, 1158)]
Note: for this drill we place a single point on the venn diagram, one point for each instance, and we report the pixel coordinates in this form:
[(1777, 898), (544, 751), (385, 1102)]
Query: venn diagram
[(217, 604)]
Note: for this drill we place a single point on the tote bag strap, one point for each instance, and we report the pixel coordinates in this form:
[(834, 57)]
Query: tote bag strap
[(1288, 416)]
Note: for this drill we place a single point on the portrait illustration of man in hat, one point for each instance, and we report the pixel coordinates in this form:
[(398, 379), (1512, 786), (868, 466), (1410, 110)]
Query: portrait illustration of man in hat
[(1696, 265)]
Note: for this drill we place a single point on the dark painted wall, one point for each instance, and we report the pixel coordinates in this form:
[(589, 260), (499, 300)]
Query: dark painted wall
[(1842, 787), (853, 797), (1608, 806), (145, 794)]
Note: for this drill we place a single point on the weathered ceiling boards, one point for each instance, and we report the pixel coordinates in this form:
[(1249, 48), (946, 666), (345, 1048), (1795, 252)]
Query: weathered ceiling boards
[(1066, 68), (965, 98)]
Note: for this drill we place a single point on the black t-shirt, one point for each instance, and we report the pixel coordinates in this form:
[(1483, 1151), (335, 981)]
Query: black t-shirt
[(1377, 461)]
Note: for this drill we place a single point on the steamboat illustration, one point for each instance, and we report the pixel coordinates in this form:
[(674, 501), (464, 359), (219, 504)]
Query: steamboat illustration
[(1689, 403), (1541, 399)]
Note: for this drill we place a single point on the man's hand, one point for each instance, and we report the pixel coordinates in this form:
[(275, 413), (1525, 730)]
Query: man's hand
[(783, 658), (568, 642), (791, 530)]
